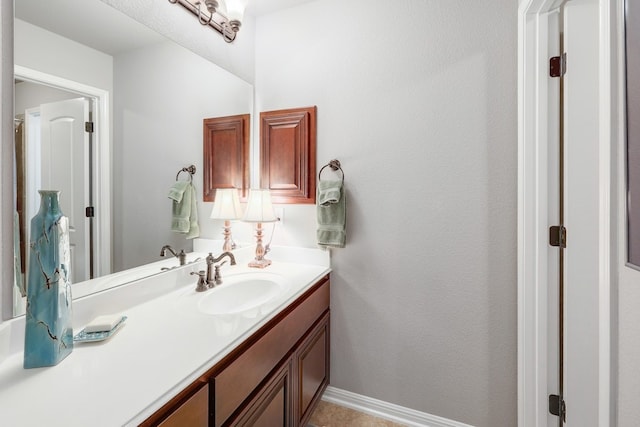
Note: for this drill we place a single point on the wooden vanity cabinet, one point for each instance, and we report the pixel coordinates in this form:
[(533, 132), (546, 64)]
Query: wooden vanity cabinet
[(275, 377)]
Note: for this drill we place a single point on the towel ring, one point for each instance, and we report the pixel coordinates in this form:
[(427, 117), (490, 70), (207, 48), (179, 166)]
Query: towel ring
[(335, 166), (191, 169)]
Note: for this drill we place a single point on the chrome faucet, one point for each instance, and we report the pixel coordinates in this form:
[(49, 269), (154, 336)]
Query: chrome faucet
[(182, 257), (214, 277)]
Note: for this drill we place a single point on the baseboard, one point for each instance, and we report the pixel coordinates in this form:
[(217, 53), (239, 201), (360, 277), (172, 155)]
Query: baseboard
[(388, 411)]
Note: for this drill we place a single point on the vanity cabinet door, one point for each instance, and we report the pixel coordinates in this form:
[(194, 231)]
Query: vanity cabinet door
[(236, 382), (272, 405), (194, 412), (312, 370)]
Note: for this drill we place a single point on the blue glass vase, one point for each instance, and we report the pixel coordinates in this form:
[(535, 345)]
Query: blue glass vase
[(48, 330)]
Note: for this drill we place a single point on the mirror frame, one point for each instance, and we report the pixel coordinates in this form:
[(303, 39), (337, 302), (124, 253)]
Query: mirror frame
[(6, 159)]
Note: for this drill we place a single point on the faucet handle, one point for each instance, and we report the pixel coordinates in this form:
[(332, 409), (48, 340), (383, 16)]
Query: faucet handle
[(202, 281), (217, 277)]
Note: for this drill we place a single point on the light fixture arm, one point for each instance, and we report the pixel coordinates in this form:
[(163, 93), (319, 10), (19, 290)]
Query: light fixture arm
[(201, 15), (227, 32)]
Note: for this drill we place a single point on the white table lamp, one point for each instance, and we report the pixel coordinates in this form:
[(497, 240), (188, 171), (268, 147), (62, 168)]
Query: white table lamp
[(227, 207), (259, 210)]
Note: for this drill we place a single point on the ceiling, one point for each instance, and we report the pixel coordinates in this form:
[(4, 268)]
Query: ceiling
[(57, 15), (72, 19), (264, 7)]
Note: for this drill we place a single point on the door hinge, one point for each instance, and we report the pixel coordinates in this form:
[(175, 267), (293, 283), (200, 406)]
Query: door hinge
[(88, 127), (89, 212), (557, 407), (558, 65), (558, 236)]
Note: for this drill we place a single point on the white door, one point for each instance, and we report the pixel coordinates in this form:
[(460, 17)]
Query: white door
[(65, 166), (587, 208)]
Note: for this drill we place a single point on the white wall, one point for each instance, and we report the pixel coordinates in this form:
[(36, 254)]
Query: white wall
[(162, 95), (29, 95), (418, 102)]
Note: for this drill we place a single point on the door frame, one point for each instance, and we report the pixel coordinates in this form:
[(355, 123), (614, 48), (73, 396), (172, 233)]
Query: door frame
[(102, 166), (533, 162)]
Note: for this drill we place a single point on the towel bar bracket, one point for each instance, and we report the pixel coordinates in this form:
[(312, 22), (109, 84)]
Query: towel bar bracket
[(335, 166), (190, 169)]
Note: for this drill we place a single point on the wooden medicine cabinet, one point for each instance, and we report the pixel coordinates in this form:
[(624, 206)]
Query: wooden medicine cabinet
[(226, 155), (288, 154)]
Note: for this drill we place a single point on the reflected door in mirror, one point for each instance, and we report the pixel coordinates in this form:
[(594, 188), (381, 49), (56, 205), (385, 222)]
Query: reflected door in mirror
[(63, 163)]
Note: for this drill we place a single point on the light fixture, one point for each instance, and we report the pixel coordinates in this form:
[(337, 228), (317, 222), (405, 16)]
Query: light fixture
[(223, 16), (259, 210), (235, 13), (226, 206)]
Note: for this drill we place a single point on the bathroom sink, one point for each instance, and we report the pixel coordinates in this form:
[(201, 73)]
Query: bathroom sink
[(239, 294)]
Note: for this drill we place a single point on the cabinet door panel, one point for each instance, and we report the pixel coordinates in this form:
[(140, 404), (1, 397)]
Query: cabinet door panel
[(272, 405), (288, 154), (313, 369), (226, 155)]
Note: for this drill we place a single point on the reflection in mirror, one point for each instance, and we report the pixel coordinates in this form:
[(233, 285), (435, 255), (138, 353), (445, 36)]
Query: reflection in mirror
[(632, 36), (54, 149), (146, 96)]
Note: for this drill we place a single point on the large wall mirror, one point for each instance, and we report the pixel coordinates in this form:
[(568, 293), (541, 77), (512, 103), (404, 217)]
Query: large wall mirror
[(146, 97)]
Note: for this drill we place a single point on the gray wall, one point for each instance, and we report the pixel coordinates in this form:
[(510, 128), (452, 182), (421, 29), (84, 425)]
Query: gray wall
[(628, 300), (418, 101)]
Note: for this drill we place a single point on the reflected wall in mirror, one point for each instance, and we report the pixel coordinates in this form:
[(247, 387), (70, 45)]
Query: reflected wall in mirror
[(633, 132), (155, 95)]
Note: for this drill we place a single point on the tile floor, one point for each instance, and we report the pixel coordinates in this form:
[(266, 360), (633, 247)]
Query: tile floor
[(331, 415)]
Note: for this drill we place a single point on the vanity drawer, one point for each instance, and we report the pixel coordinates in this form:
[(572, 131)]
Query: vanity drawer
[(265, 350), (194, 412)]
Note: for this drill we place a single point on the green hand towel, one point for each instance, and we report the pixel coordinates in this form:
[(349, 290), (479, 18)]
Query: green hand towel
[(184, 218), (332, 215), (177, 191), (194, 229), (329, 192)]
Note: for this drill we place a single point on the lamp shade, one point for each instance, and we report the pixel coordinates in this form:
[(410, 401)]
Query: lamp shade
[(226, 204), (259, 207), (235, 9)]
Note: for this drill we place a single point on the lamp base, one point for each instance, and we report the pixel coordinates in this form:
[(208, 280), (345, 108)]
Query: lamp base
[(260, 263)]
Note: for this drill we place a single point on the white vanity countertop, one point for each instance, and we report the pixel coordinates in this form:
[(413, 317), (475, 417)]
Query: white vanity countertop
[(162, 348)]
